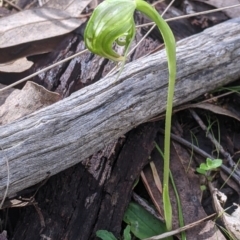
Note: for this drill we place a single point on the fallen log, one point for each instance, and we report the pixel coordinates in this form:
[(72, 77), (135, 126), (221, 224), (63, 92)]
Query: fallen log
[(57, 137)]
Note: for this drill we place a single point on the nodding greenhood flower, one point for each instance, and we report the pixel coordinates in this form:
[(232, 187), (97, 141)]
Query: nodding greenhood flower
[(112, 21)]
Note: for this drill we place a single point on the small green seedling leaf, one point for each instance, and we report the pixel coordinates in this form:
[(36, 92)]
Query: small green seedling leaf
[(105, 235), (203, 187), (143, 224), (213, 164), (209, 165), (201, 171), (126, 233)]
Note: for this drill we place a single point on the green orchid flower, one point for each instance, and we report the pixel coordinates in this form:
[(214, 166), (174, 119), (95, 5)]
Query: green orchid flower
[(112, 22)]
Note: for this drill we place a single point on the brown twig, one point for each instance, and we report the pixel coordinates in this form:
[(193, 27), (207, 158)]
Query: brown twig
[(191, 15), (204, 154), (13, 5), (225, 154), (174, 232)]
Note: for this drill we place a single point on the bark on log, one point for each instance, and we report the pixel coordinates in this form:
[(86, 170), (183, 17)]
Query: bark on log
[(57, 137)]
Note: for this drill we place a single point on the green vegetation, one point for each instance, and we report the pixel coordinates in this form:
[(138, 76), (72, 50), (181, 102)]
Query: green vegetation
[(210, 165), (143, 224), (140, 222), (106, 235), (180, 212)]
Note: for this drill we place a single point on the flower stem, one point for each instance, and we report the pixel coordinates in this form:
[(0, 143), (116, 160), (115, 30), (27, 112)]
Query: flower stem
[(170, 46)]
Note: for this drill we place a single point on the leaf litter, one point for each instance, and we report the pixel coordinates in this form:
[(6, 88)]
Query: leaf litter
[(54, 19)]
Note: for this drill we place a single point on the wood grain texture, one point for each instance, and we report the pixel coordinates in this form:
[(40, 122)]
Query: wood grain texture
[(59, 136)]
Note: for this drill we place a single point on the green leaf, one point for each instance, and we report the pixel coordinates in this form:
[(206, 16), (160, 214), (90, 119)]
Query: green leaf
[(105, 235), (201, 171), (213, 164), (167, 207), (209, 165), (204, 166), (143, 224), (126, 233)]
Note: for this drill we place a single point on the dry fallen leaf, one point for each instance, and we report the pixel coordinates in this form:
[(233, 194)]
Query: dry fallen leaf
[(72, 7), (152, 188), (28, 49), (232, 12), (19, 30), (23, 102), (215, 109), (19, 65), (39, 30), (231, 222), (35, 24)]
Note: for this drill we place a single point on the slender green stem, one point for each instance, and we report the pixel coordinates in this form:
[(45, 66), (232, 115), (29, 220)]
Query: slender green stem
[(170, 45), (180, 212)]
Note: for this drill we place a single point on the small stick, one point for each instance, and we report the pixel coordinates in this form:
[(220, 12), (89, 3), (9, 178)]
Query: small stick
[(225, 154), (191, 15), (174, 232), (204, 154), (13, 5)]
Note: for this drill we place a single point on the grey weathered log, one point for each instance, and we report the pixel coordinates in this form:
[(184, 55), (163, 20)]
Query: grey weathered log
[(57, 137)]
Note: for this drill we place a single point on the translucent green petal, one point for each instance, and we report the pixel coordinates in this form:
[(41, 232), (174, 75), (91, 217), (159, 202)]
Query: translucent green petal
[(110, 20)]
